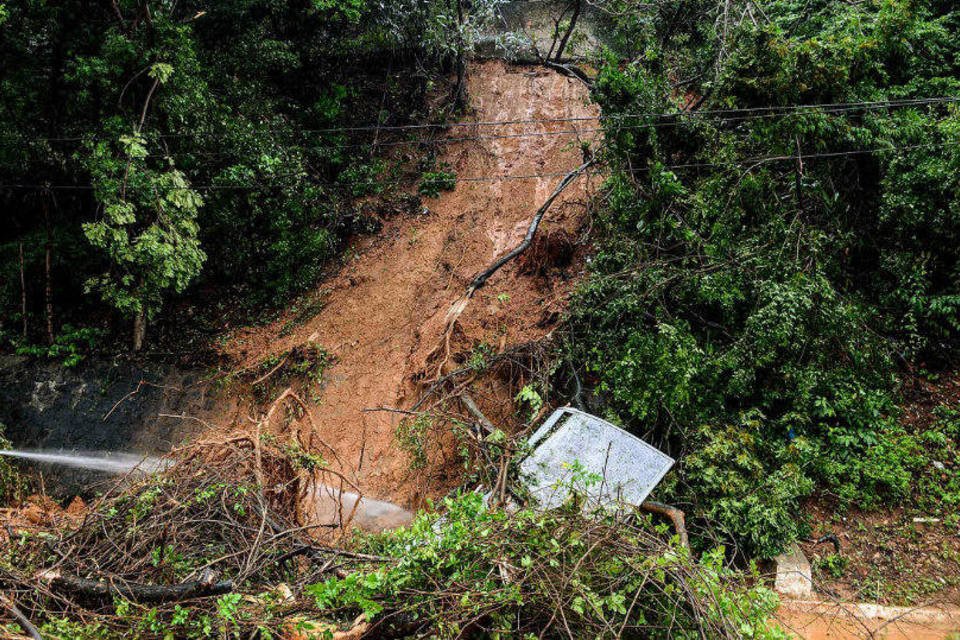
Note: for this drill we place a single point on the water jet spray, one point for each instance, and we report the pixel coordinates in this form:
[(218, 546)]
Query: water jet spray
[(104, 461)]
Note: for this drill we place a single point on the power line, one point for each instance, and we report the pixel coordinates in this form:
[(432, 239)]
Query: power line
[(752, 161), (737, 114), (705, 112), (755, 161), (576, 131), (532, 134)]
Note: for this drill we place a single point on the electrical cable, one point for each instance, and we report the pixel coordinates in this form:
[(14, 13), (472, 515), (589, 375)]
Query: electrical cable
[(767, 111), (757, 160)]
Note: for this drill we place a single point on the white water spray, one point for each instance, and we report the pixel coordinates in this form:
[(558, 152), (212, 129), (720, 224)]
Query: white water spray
[(329, 505), (106, 461), (333, 507)]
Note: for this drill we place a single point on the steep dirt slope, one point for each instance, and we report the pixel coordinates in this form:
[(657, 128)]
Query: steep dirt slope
[(385, 312)]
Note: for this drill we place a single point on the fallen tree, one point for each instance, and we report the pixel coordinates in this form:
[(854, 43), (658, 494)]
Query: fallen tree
[(209, 546), (134, 591), (478, 570), (457, 307), (217, 527), (481, 278)]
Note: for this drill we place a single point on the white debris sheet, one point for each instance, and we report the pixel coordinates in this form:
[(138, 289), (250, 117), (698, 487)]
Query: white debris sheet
[(573, 446)]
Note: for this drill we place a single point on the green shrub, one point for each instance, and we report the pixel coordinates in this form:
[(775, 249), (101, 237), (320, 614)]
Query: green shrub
[(833, 565), (746, 488), (433, 182), (412, 437), (480, 567), (734, 284), (71, 345)]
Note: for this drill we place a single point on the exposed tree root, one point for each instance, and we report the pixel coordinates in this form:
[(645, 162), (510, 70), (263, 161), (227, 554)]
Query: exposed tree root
[(360, 629), (289, 393), (675, 516), (272, 371)]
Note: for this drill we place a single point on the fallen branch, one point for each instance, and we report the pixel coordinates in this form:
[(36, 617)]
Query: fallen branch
[(343, 553), (675, 516), (482, 277), (137, 592), (570, 70), (21, 619), (272, 371), (140, 385), (472, 407), (456, 309)]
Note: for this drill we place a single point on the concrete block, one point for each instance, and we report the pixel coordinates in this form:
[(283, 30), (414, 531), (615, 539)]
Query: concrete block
[(793, 576)]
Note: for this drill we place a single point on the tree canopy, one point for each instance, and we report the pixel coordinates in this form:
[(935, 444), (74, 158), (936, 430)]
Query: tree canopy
[(779, 241), (151, 143)]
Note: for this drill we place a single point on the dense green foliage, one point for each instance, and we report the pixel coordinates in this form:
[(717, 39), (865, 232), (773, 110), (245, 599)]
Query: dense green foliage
[(776, 246), (764, 270), (148, 143), (13, 485)]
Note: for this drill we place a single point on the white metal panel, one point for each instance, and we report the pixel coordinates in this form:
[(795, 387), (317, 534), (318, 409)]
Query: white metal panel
[(628, 468)]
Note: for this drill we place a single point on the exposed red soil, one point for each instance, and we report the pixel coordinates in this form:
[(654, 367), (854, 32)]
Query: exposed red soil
[(40, 512), (384, 314), (819, 620), (892, 559)]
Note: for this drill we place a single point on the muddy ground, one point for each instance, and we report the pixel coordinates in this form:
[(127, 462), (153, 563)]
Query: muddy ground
[(901, 554)]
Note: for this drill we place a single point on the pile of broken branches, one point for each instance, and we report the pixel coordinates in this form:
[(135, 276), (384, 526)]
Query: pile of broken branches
[(218, 522), (479, 572)]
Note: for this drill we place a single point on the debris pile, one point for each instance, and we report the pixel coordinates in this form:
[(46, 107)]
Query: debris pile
[(221, 521)]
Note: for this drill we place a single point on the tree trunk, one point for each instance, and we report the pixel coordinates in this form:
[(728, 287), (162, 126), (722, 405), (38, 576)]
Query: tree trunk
[(460, 90), (566, 36), (138, 592), (139, 330), (48, 277), (23, 294)]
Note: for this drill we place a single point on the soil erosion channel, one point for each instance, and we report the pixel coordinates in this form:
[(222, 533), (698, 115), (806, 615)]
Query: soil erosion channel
[(385, 312)]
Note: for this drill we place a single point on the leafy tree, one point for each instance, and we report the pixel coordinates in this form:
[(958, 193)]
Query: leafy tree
[(241, 101), (148, 230), (766, 266)]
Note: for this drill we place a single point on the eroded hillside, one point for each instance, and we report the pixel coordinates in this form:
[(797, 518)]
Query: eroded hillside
[(384, 315)]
